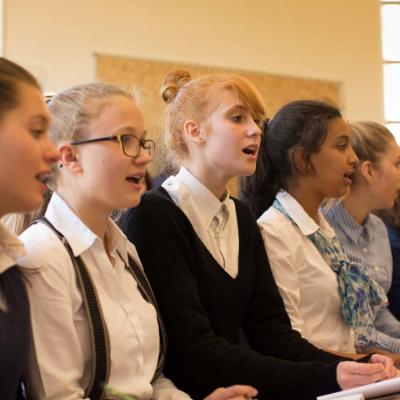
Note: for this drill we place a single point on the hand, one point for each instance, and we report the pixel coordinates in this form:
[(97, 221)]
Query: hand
[(387, 362), (350, 374), (236, 392)]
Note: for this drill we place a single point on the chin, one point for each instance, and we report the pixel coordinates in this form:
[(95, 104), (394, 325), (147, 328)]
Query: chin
[(132, 202), (34, 203), (246, 171)]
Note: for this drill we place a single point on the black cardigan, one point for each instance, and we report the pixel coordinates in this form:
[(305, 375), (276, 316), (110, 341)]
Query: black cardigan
[(209, 315), (15, 334)]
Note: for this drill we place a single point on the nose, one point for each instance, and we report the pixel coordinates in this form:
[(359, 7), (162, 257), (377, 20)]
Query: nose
[(50, 152), (144, 157), (254, 128), (353, 159)]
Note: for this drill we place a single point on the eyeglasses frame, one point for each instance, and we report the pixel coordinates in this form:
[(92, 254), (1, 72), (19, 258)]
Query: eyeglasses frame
[(119, 139)]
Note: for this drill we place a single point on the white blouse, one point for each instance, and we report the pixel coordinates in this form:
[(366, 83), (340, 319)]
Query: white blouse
[(306, 282), (59, 322), (213, 220)]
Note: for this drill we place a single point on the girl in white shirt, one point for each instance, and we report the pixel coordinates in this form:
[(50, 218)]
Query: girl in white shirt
[(205, 258), (306, 156), (101, 138)]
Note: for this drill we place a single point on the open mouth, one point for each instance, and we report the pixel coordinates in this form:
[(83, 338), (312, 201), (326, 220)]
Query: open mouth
[(44, 177), (134, 178), (251, 150), (349, 175)]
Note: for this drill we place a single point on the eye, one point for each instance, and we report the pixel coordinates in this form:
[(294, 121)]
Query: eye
[(128, 139), (237, 118), (37, 133), (342, 146)]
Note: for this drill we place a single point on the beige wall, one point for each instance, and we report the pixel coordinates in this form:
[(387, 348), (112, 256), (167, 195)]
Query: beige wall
[(327, 39)]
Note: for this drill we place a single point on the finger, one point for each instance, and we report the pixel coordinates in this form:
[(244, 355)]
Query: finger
[(236, 392), (357, 380), (240, 390), (367, 369)]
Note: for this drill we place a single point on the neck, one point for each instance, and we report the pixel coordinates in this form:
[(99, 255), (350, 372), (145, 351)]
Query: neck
[(308, 199), (92, 215), (215, 182), (358, 205)]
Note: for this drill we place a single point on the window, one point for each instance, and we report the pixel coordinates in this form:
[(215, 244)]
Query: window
[(390, 17), (1, 27)]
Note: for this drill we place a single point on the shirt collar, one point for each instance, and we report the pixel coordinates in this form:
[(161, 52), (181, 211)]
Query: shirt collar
[(78, 235), (304, 222), (11, 248), (352, 228), (207, 203)]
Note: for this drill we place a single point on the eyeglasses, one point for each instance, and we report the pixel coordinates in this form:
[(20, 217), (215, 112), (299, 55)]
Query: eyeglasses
[(130, 144)]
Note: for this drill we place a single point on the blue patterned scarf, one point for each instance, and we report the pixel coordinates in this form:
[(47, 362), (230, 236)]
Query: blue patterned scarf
[(358, 291)]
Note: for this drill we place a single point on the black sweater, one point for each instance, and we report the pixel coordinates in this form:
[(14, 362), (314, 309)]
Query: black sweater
[(15, 334), (209, 315)]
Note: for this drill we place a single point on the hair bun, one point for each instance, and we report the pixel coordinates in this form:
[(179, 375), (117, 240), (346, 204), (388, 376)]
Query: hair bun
[(173, 81)]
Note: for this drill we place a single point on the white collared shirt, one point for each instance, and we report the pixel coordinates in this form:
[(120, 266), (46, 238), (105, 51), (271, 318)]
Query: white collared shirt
[(214, 221), (59, 322), (306, 282), (10, 249)]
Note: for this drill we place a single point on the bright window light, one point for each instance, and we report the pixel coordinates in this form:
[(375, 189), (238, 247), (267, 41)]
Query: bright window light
[(395, 129), (391, 75), (390, 16)]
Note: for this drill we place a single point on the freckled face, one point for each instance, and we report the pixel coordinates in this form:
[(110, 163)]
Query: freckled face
[(26, 153), (232, 138), (110, 178)]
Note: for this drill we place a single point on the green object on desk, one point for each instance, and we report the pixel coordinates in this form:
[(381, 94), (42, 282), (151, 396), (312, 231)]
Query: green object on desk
[(118, 395)]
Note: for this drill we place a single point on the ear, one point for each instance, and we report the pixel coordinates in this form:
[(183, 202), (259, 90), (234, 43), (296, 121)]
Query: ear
[(300, 160), (193, 132), (367, 171), (69, 158)]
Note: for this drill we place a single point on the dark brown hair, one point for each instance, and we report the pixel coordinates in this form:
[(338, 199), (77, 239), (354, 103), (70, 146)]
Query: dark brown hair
[(302, 123), (11, 75)]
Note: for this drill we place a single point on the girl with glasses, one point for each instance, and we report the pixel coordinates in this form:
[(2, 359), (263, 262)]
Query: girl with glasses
[(206, 261), (94, 317), (26, 155)]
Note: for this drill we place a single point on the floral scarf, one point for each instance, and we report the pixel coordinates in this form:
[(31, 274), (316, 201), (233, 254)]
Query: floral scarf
[(360, 295)]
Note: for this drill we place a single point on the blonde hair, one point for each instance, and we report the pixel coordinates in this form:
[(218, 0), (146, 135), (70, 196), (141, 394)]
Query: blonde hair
[(195, 99), (72, 113), (74, 109), (369, 140)]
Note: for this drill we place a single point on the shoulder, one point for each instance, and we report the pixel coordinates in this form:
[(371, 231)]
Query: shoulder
[(273, 223), (156, 202), (377, 222), (156, 215), (43, 248)]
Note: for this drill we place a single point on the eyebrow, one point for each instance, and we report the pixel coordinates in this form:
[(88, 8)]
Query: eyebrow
[(130, 130), (43, 118), (341, 137), (238, 107)]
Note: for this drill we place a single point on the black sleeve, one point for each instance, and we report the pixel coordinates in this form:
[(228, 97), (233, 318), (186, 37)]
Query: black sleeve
[(200, 358)]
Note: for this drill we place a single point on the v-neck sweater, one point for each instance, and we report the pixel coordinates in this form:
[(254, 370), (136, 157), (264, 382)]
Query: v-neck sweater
[(223, 330)]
